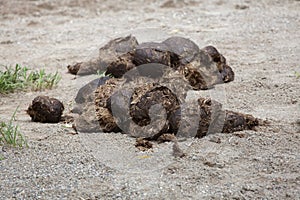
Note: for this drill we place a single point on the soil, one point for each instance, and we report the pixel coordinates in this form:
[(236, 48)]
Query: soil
[(260, 41)]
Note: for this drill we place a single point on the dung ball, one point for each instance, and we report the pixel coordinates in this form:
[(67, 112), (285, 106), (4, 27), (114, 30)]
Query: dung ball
[(45, 109)]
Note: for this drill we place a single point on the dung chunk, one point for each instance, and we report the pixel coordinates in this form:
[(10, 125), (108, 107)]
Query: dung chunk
[(143, 144), (73, 69), (152, 52), (106, 120), (120, 66), (213, 119), (235, 121), (86, 93), (120, 45), (195, 77), (87, 120), (45, 109), (148, 95), (104, 115), (227, 73), (202, 73), (185, 48), (140, 110), (214, 53), (208, 117), (108, 54)]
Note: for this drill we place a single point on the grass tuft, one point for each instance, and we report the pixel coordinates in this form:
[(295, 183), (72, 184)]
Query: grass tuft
[(39, 80), (10, 134), (20, 78), (12, 79)]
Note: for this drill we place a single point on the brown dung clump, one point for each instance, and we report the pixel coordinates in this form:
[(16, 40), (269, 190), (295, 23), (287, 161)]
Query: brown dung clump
[(235, 121), (104, 115), (120, 66), (141, 100), (227, 73), (153, 52), (148, 95), (186, 49), (205, 116), (107, 54), (45, 109)]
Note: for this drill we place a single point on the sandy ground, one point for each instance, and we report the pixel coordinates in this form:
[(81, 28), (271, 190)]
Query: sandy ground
[(261, 41)]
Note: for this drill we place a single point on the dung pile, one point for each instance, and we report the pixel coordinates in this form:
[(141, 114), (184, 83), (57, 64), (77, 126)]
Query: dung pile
[(147, 95)]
